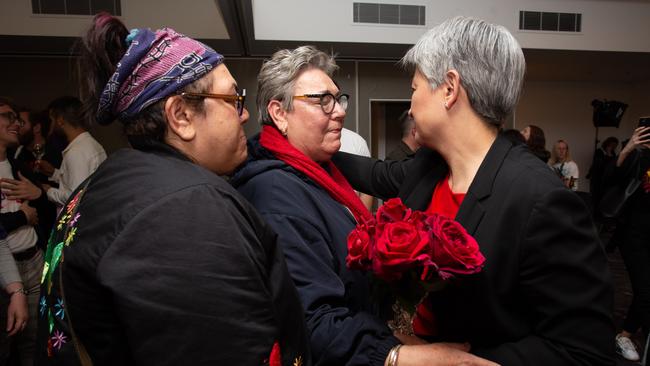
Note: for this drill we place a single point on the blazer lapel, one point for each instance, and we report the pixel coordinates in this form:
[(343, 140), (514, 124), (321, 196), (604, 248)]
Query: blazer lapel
[(471, 211)]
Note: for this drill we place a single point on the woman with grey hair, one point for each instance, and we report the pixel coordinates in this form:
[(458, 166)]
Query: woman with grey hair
[(544, 296), (291, 181)]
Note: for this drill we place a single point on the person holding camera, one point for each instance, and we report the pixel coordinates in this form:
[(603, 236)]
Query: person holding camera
[(634, 162)]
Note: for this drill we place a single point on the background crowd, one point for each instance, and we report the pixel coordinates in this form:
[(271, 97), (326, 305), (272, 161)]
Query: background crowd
[(151, 247)]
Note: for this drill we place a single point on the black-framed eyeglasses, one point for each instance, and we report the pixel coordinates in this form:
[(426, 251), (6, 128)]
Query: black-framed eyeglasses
[(13, 118), (238, 98), (327, 100)]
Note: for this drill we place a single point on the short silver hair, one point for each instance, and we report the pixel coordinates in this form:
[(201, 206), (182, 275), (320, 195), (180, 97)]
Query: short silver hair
[(278, 75), (489, 60)]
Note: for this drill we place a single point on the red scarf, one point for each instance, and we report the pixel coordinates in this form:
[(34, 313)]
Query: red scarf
[(335, 183)]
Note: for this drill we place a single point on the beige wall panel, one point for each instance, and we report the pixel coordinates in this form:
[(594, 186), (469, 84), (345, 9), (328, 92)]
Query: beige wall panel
[(563, 110), (196, 18)]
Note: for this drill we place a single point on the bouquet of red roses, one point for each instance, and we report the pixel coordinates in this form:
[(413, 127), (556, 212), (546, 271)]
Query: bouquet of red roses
[(413, 252)]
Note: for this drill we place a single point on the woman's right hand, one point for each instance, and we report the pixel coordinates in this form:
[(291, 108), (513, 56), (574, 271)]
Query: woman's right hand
[(440, 354), (640, 137)]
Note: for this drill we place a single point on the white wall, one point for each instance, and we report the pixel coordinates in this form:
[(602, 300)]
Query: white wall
[(195, 18), (606, 25)]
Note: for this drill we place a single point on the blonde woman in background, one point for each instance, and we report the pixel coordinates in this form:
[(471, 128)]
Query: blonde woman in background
[(566, 168)]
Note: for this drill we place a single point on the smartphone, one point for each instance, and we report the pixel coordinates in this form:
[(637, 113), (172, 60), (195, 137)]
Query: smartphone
[(644, 122)]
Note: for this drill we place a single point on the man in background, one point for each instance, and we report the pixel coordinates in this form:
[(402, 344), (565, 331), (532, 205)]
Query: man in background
[(81, 157), (407, 146)]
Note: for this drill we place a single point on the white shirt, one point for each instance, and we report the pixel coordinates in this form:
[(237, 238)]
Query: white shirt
[(80, 159), (352, 143), (23, 237), (567, 170)]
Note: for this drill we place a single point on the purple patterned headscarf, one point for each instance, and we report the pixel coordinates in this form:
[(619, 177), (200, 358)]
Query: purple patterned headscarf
[(155, 65)]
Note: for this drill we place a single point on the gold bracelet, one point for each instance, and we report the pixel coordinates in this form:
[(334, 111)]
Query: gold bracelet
[(392, 356)]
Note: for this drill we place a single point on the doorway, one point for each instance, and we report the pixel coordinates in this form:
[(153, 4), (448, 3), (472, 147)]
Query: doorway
[(385, 128)]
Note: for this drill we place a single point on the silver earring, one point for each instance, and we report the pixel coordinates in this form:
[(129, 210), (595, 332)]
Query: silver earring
[(446, 105)]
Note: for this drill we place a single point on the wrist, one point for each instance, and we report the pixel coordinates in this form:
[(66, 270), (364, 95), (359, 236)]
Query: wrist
[(20, 290), (13, 286), (391, 359)]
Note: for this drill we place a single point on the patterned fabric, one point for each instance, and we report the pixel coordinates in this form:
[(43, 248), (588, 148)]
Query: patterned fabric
[(155, 65), (54, 313)]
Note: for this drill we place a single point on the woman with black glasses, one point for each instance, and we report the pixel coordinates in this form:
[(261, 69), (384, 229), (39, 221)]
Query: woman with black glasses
[(291, 181)]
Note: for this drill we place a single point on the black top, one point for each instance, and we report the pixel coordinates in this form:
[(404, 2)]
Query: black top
[(637, 164), (545, 295), (402, 151), (24, 163), (168, 266), (342, 317)]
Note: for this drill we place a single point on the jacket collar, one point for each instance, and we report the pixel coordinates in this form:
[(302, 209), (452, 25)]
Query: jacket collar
[(147, 144), (471, 211), (435, 169)]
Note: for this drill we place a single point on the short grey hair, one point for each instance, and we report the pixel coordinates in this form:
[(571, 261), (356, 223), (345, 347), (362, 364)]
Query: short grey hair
[(278, 75), (489, 60)]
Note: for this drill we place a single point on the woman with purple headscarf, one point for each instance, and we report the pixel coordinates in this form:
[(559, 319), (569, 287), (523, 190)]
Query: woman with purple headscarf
[(155, 259)]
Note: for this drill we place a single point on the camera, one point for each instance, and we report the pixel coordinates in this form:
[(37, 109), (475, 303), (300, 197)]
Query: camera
[(644, 122)]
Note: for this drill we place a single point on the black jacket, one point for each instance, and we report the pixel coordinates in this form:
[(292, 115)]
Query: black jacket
[(46, 210), (636, 165), (312, 229), (545, 295), (11, 221), (169, 266)]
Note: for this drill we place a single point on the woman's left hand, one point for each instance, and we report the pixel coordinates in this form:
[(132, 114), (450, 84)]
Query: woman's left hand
[(17, 314)]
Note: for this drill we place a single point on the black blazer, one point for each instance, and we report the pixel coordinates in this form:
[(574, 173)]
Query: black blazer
[(545, 295)]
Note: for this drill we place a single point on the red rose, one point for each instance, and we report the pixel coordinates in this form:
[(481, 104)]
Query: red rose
[(454, 250), (359, 247), (392, 210), (399, 247), (418, 218)]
